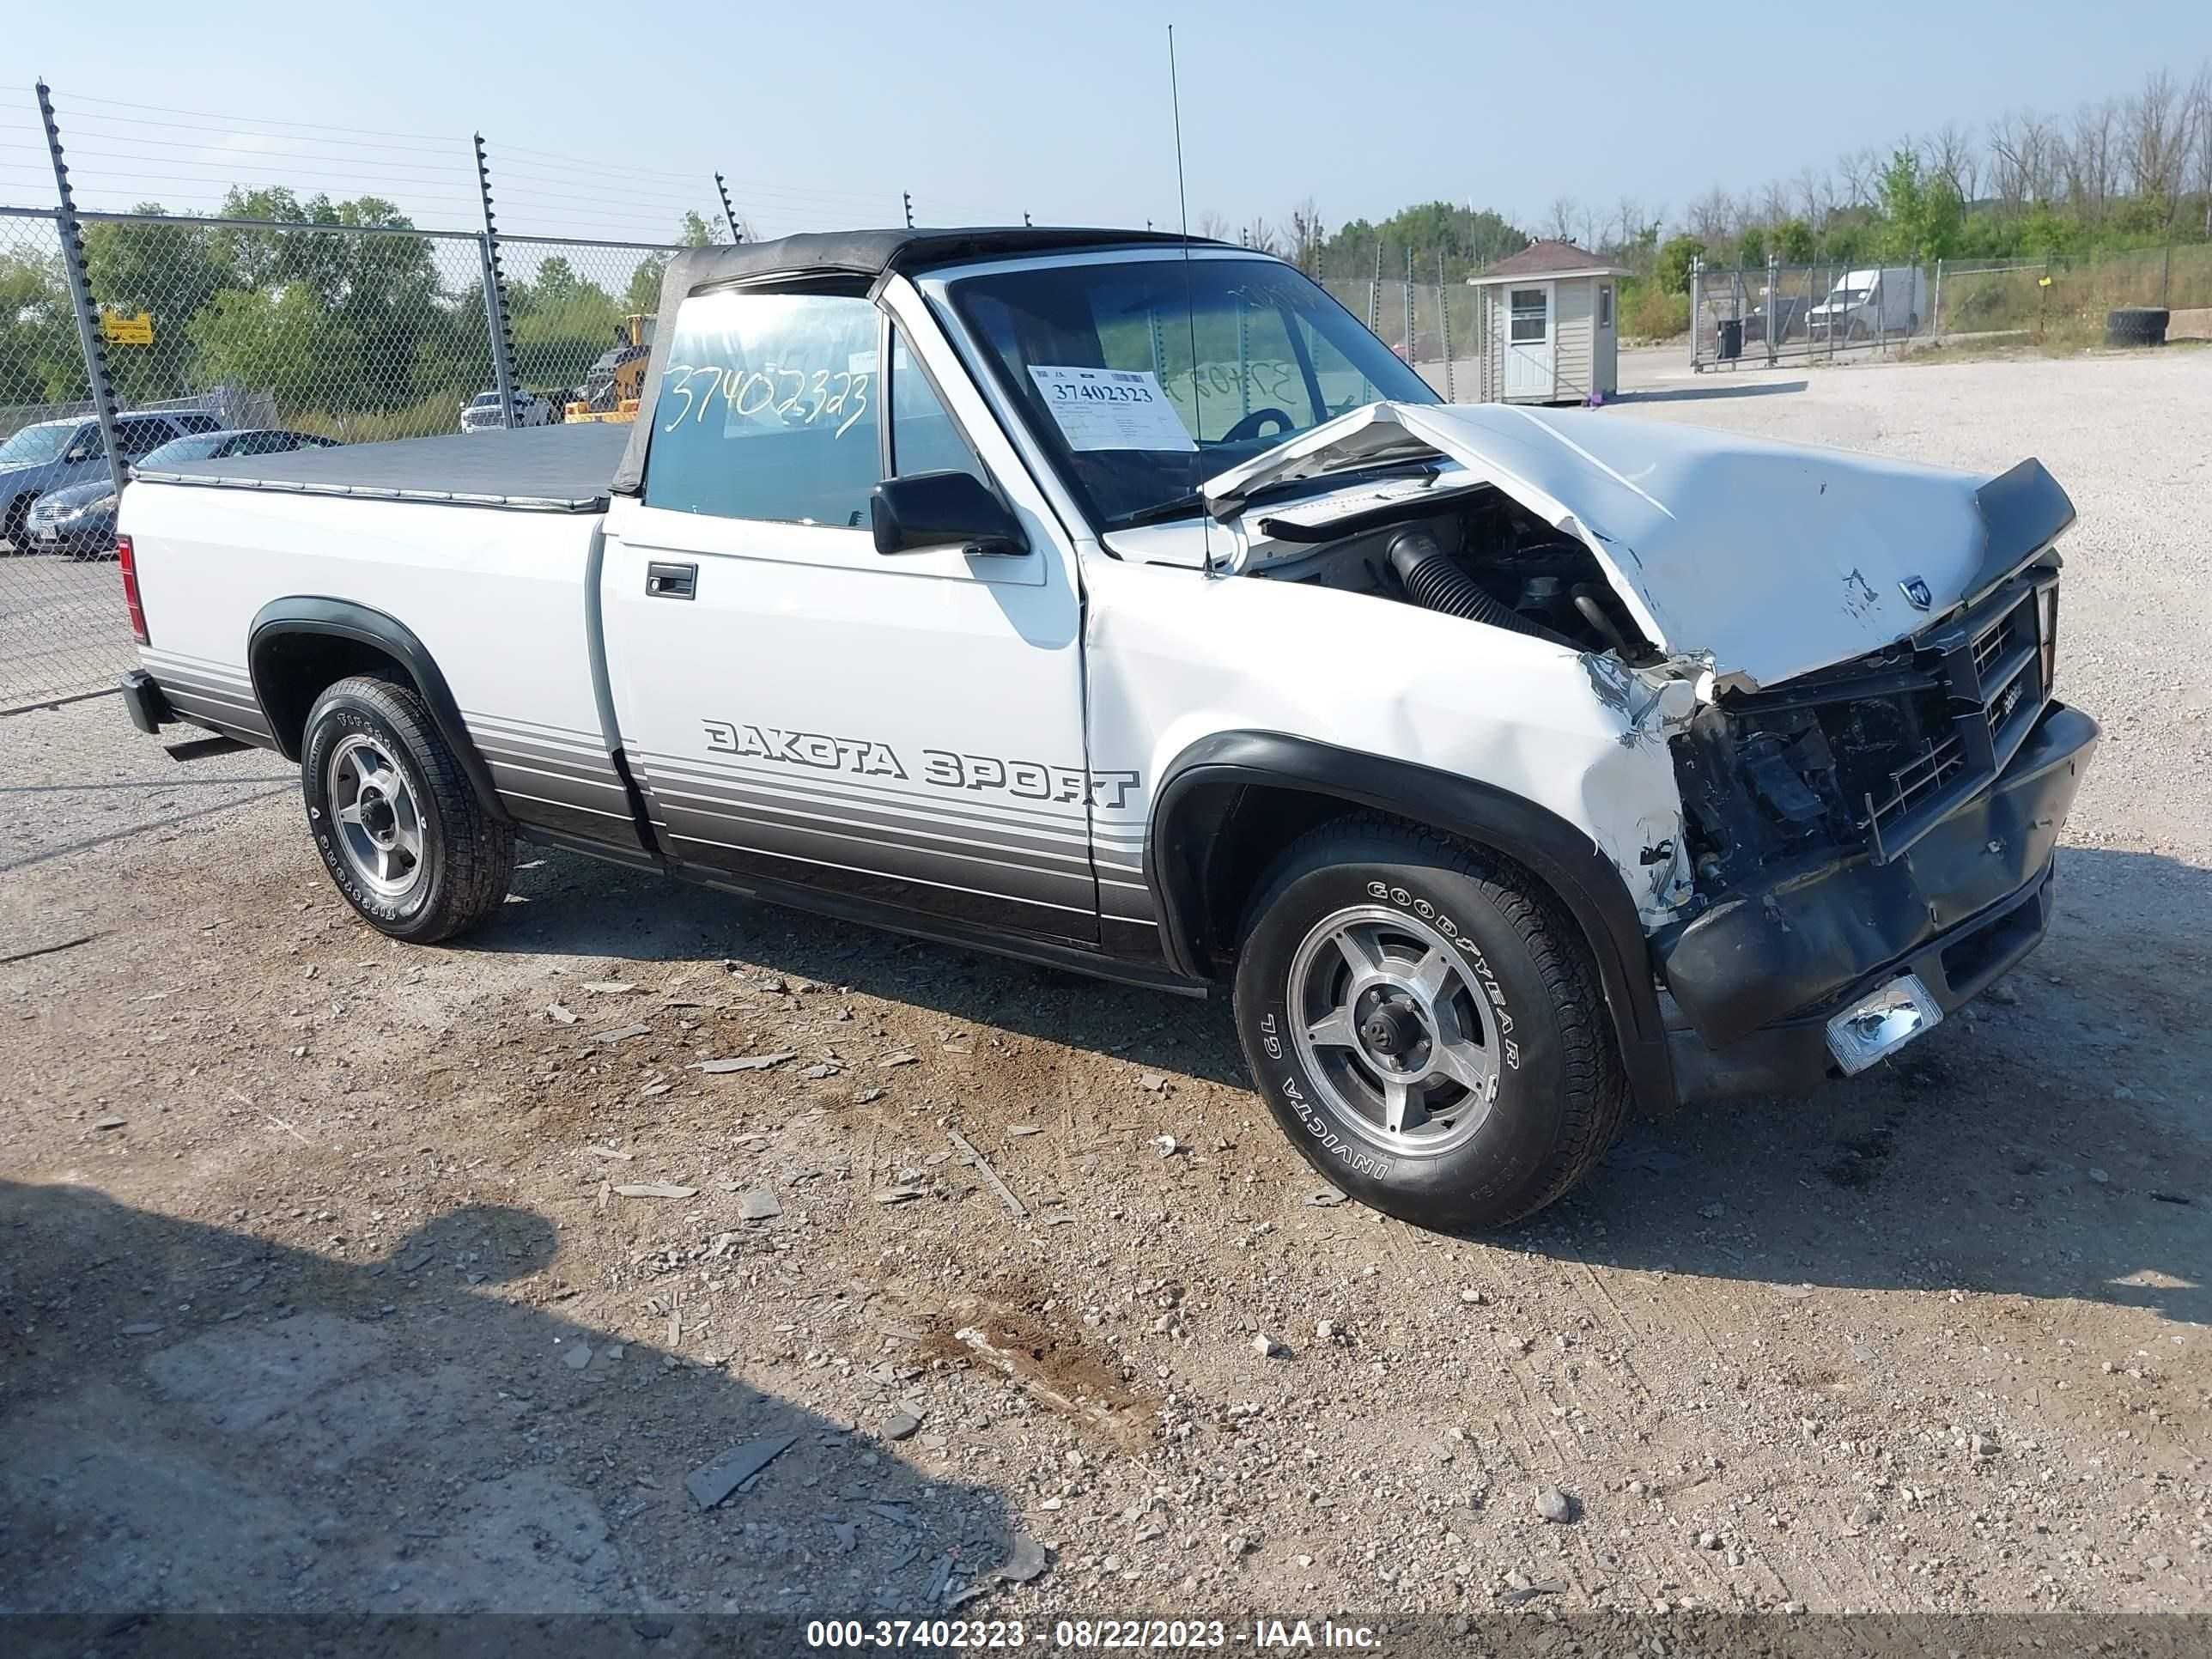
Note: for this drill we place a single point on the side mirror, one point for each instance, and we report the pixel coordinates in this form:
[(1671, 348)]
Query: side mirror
[(942, 509)]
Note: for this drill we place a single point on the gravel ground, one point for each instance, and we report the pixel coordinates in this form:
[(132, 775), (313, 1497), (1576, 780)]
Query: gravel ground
[(324, 1242), (62, 627)]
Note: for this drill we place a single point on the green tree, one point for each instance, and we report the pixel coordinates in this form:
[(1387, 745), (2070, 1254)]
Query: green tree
[(1923, 216), (41, 359), (1793, 242), (1673, 267), (169, 271)]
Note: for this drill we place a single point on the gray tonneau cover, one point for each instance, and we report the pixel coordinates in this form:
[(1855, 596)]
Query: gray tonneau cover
[(544, 469)]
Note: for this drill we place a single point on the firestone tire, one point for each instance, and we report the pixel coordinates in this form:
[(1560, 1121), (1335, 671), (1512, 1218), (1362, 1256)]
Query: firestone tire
[(1520, 1008), (399, 826)]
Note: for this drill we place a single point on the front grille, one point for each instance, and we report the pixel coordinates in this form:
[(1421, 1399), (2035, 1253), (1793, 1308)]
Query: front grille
[(1987, 666)]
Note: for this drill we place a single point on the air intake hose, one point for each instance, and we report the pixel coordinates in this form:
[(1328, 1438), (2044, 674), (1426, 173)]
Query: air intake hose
[(1434, 581)]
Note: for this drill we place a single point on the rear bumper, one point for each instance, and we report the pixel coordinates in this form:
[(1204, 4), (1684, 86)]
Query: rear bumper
[(1754, 980), (143, 701)]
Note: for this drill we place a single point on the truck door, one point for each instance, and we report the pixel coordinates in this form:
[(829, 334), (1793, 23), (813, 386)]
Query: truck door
[(906, 730)]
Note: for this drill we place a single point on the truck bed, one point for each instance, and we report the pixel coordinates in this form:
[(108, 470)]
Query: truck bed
[(545, 469)]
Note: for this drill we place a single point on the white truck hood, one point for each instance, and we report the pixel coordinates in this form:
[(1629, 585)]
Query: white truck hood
[(1773, 559)]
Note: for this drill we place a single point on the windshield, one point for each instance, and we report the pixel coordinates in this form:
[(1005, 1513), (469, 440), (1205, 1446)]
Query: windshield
[(1099, 357), (38, 443), (195, 448)]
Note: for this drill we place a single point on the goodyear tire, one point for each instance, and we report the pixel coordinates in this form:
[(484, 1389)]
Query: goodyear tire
[(1424, 1022), (397, 824)]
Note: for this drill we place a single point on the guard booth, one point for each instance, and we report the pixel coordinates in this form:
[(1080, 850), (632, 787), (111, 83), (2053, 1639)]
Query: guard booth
[(1550, 334)]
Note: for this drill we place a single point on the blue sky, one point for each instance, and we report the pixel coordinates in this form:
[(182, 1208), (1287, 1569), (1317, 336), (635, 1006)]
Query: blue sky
[(822, 114)]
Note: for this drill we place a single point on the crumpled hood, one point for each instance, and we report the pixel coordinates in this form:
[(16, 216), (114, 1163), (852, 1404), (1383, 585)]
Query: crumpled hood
[(1776, 559)]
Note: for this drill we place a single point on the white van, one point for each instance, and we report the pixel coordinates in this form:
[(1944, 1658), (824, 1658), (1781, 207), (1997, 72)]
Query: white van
[(1866, 304)]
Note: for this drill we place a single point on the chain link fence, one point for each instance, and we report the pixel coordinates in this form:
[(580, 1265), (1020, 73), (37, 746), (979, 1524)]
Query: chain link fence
[(1778, 314), (349, 333), (1756, 316)]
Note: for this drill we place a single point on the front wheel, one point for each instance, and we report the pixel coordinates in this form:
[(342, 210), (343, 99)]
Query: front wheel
[(1424, 1022), (399, 826)]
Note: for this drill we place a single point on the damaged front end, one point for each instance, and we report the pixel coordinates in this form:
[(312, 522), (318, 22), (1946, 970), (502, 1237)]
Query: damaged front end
[(1889, 820), (1849, 661)]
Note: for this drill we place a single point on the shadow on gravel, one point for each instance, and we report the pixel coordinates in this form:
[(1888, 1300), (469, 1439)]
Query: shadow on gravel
[(196, 1419), (2053, 1144), (1708, 394), (574, 906), (1996, 1156)]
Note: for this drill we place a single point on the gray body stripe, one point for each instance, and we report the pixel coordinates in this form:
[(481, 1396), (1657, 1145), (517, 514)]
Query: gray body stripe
[(532, 732), (950, 814), (888, 875), (241, 699), (567, 805), (1072, 819), (744, 803), (500, 763), (908, 861)]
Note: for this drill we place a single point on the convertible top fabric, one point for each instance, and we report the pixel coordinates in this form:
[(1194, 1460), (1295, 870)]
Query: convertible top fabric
[(544, 469), (864, 253)]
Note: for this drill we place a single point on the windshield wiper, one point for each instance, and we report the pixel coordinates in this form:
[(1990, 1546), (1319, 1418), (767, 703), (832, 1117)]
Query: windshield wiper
[(1176, 508)]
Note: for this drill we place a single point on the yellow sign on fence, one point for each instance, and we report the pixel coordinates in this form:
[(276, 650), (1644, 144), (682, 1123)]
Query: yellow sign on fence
[(127, 331)]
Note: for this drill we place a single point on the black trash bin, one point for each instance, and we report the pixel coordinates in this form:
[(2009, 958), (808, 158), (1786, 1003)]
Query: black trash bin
[(1731, 338)]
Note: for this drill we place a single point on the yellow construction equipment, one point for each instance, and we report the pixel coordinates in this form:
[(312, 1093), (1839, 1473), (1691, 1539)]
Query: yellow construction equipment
[(611, 384)]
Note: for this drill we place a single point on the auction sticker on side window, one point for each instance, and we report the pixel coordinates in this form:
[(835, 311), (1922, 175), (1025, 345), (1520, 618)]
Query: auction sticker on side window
[(1110, 408)]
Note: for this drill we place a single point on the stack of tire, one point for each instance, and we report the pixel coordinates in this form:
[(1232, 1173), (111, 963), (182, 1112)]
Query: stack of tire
[(2136, 325)]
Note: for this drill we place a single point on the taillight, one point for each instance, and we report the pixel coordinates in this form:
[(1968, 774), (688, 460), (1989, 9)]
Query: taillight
[(127, 562)]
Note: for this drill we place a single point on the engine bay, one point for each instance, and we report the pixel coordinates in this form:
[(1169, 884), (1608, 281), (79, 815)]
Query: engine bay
[(1479, 554)]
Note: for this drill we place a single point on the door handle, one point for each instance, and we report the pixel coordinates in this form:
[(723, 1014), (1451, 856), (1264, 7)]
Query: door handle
[(671, 582)]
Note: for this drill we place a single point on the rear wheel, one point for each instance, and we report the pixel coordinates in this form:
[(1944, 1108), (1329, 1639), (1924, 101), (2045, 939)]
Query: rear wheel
[(399, 827), (1422, 1021)]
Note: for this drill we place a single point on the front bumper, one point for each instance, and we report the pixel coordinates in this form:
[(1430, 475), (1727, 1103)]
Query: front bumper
[(1754, 980)]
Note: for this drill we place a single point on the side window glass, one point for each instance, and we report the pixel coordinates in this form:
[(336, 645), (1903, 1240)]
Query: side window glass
[(768, 409), (136, 437), (924, 438)]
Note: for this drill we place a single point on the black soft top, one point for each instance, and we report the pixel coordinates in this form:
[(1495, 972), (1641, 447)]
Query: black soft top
[(872, 254), (546, 469)]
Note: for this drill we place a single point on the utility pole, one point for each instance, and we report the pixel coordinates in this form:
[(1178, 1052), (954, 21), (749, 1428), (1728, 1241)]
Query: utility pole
[(494, 290), (729, 213), (88, 322), (907, 197)]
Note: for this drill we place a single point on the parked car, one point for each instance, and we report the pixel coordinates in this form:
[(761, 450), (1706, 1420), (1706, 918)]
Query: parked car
[(80, 521), (55, 454), (1500, 766), (481, 412)]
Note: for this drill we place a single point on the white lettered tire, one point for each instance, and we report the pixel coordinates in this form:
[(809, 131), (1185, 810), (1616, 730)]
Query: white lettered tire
[(1424, 1022), (394, 816)]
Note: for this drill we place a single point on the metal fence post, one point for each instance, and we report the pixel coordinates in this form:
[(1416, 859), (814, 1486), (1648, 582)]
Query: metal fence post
[(1935, 309), (1697, 305), (1444, 311), (1773, 309), (1412, 354), (495, 292), (1375, 292), (729, 213), (87, 320)]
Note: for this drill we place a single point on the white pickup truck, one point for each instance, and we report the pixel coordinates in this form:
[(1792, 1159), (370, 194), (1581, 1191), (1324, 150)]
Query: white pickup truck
[(1124, 604)]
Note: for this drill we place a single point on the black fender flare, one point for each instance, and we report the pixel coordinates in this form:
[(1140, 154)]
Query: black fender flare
[(1194, 794), (347, 619)]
